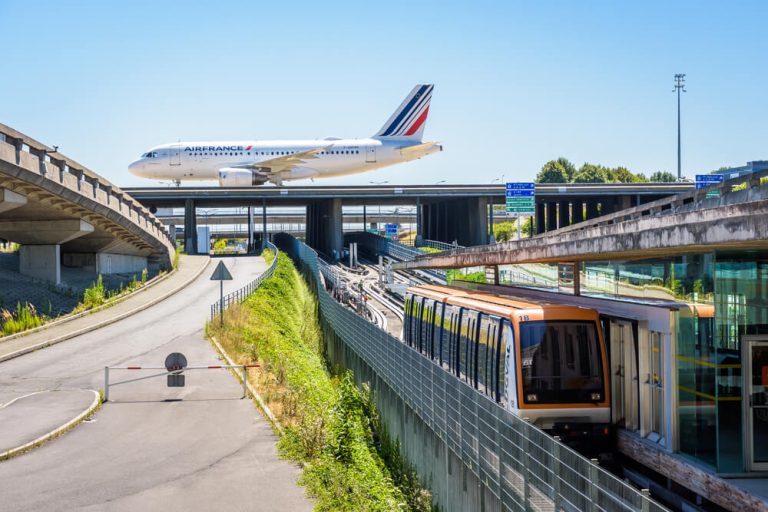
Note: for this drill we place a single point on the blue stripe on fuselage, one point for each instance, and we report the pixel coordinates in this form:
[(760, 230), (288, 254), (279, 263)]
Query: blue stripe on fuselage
[(405, 111)]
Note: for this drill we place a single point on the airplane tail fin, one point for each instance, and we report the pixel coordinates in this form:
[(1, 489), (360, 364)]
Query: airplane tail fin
[(408, 121)]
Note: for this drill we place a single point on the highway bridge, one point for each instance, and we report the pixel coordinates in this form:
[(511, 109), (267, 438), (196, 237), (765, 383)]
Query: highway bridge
[(686, 223), (444, 212), (60, 211)]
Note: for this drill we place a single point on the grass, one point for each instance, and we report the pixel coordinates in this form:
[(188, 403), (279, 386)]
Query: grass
[(454, 274), (25, 317), (329, 424), (429, 250)]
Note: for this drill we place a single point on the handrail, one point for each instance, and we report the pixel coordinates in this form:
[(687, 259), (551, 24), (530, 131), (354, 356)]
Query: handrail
[(243, 293)]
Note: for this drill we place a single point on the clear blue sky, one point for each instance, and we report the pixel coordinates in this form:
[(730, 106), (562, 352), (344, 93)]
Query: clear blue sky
[(517, 83)]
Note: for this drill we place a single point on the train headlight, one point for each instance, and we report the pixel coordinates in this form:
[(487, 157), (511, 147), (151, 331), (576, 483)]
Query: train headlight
[(596, 397), (532, 397)]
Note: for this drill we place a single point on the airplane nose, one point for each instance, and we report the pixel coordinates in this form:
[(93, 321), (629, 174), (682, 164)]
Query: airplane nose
[(136, 168)]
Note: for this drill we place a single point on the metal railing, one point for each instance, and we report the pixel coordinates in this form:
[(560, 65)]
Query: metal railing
[(435, 244), (380, 245), (240, 295), (512, 464)]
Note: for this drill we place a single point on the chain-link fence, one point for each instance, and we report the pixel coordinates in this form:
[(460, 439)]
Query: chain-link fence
[(240, 295), (473, 453)]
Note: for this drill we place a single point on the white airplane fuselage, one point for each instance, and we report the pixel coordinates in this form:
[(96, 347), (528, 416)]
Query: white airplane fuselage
[(208, 160), (252, 162)]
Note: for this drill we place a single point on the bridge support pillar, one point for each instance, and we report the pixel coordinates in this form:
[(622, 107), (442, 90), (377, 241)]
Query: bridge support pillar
[(190, 227), (324, 227), (250, 229), (40, 253), (264, 234), (540, 218), (592, 209), (551, 216), (462, 220), (419, 224), (577, 214), (563, 213), (491, 237)]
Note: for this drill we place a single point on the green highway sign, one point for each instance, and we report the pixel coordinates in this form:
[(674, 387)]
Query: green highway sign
[(520, 200)]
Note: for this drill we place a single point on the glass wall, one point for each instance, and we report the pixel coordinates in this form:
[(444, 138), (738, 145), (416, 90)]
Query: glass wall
[(720, 298), (741, 308)]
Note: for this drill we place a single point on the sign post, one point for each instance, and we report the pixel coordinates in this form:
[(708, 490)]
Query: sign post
[(520, 200), (705, 180), (221, 274)]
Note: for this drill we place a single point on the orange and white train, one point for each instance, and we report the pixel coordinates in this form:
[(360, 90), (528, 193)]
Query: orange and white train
[(547, 363)]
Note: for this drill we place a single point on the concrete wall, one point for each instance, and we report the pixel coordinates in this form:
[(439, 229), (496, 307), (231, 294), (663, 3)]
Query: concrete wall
[(108, 263)]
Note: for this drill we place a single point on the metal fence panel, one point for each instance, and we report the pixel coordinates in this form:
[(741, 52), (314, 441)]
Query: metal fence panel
[(514, 465)]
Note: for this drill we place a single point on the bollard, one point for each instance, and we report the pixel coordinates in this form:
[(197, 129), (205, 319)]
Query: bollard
[(106, 384), (245, 381)]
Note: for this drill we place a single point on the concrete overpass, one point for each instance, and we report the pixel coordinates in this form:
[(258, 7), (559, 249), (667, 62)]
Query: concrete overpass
[(63, 213), (444, 212), (682, 224)]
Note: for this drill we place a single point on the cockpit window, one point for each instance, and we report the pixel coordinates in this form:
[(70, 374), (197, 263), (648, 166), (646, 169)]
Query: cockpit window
[(149, 154)]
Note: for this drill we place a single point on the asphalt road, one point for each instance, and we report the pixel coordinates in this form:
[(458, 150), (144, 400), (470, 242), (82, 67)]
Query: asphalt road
[(151, 447)]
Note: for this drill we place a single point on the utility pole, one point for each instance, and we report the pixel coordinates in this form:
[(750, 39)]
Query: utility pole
[(679, 86)]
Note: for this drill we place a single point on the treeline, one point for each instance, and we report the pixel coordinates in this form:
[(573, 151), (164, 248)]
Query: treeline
[(563, 171)]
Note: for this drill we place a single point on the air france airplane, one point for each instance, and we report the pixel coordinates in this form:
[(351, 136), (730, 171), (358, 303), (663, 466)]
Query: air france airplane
[(252, 163)]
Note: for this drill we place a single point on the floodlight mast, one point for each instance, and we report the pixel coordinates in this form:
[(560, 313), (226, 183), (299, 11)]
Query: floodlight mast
[(679, 86)]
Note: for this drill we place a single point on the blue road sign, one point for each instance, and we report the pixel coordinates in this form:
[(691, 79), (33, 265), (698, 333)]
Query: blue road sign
[(391, 228), (521, 186), (705, 180), (520, 193)]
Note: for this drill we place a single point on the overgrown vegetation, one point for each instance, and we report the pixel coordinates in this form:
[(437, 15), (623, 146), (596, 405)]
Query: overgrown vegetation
[(329, 425), (429, 250), (456, 274), (97, 294), (25, 317)]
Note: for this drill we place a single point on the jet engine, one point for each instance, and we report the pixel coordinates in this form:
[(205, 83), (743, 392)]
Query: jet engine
[(229, 177)]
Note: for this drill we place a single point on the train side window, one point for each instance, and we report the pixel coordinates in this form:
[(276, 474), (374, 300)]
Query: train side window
[(407, 318)]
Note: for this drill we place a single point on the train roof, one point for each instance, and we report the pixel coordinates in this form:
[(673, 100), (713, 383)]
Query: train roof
[(493, 304)]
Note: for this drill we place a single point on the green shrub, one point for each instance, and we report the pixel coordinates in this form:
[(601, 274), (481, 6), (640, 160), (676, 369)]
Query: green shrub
[(93, 296), (24, 318)]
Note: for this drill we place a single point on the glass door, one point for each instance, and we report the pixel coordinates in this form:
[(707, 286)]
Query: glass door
[(757, 404)]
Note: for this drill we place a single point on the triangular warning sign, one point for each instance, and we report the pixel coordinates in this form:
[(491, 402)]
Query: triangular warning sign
[(221, 273)]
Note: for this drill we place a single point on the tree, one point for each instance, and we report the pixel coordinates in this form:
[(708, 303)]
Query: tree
[(552, 172), (503, 231), (624, 175), (662, 177), (590, 173), (568, 167)]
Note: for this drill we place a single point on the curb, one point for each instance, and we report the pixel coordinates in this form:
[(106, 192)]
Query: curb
[(70, 317), (101, 324), (256, 396), (56, 432)]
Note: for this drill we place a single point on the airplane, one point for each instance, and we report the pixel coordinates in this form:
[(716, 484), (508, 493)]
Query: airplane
[(254, 163)]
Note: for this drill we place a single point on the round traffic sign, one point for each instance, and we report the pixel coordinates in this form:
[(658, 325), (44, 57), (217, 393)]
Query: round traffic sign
[(175, 361)]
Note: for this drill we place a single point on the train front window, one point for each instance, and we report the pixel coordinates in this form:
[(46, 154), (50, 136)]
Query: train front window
[(561, 362)]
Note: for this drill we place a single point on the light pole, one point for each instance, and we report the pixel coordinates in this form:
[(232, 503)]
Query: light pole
[(679, 86)]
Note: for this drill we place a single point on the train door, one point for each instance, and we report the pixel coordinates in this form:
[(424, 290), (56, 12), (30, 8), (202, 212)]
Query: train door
[(624, 374), (756, 405)]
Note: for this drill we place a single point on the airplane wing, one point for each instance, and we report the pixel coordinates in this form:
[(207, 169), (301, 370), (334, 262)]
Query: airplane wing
[(283, 162), (417, 148)]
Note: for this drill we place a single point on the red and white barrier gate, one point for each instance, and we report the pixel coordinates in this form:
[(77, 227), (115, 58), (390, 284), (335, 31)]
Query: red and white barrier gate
[(176, 370)]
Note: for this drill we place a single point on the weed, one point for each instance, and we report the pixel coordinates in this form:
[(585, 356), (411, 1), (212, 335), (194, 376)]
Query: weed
[(24, 318)]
